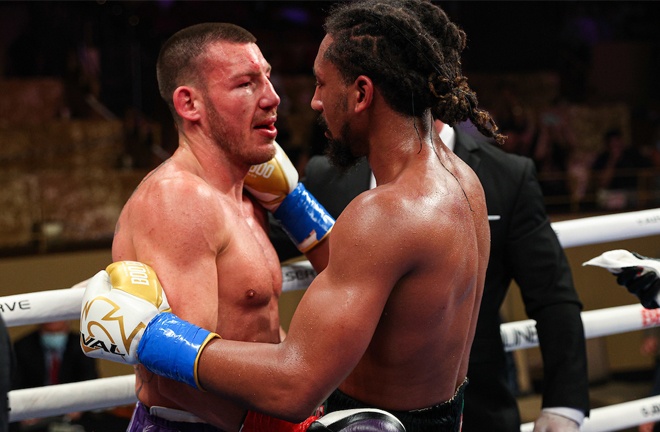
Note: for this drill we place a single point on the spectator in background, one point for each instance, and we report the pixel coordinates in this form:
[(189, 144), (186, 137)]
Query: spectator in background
[(515, 120), (616, 169), (554, 142), (50, 355)]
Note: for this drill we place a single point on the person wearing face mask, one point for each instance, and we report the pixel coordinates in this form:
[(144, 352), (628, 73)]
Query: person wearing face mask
[(47, 356)]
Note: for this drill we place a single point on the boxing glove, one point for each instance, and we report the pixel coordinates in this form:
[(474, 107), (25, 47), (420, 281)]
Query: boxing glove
[(117, 304), (275, 185), (358, 420), (126, 318)]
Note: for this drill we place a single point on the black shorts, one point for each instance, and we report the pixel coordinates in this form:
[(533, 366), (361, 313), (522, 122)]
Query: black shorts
[(444, 417)]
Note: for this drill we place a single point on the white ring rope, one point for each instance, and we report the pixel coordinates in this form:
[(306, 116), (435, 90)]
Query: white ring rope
[(515, 335), (65, 304), (602, 322), (617, 417), (61, 399), (41, 307), (602, 229)]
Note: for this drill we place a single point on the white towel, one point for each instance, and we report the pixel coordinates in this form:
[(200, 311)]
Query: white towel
[(617, 259)]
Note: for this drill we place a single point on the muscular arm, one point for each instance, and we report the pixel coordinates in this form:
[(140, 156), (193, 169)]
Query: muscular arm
[(329, 332), (183, 249), (319, 256)]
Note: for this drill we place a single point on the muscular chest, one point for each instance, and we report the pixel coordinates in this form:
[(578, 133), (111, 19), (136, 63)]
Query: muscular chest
[(249, 273)]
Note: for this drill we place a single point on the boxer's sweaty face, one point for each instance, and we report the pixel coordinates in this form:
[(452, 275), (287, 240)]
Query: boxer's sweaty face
[(240, 101)]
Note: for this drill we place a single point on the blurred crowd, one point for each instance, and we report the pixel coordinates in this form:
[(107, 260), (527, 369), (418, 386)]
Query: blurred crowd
[(603, 168), (600, 54)]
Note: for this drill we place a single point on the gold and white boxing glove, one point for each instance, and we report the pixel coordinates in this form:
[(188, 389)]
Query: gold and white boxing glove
[(117, 305), (126, 318), (275, 185), (271, 182)]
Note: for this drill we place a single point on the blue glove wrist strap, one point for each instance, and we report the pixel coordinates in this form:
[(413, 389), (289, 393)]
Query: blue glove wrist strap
[(170, 346), (303, 218)]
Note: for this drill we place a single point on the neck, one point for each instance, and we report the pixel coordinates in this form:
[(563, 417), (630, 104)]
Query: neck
[(211, 163), (403, 140)]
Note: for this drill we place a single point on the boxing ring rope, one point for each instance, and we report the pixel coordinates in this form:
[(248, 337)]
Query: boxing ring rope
[(602, 229), (65, 304), (61, 399)]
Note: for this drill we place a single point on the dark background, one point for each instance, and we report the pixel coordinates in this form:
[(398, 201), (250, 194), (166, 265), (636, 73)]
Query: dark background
[(39, 38)]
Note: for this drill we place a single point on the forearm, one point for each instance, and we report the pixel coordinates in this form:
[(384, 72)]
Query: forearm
[(318, 256), (261, 377), (222, 413), (278, 379)]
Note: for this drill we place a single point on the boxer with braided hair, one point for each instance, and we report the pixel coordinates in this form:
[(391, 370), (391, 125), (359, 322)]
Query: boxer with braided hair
[(392, 43), (389, 321)]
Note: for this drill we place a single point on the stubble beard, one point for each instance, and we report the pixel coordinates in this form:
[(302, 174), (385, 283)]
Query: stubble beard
[(232, 146)]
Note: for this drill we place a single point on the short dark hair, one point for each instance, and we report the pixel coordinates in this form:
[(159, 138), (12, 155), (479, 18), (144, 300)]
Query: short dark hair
[(179, 58), (412, 52)]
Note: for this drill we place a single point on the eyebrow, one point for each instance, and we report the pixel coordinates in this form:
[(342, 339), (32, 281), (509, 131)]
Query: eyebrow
[(252, 73)]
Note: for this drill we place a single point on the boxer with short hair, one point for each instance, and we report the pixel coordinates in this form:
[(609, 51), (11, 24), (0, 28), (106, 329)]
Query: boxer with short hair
[(390, 320)]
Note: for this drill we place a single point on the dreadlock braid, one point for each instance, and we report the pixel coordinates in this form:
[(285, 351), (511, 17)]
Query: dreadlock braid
[(411, 51)]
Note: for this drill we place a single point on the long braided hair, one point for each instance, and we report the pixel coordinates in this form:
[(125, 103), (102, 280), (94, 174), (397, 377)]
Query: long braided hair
[(412, 52)]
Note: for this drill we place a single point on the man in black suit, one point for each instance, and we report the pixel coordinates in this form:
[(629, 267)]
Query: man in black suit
[(524, 248)]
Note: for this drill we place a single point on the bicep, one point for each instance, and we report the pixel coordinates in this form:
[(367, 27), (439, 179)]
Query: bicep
[(343, 305), (183, 255)]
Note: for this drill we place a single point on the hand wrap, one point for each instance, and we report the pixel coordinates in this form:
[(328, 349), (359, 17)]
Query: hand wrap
[(170, 347), (303, 218)]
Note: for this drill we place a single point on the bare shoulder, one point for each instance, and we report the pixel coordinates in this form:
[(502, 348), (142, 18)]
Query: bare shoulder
[(168, 190), (172, 202), (377, 226)]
